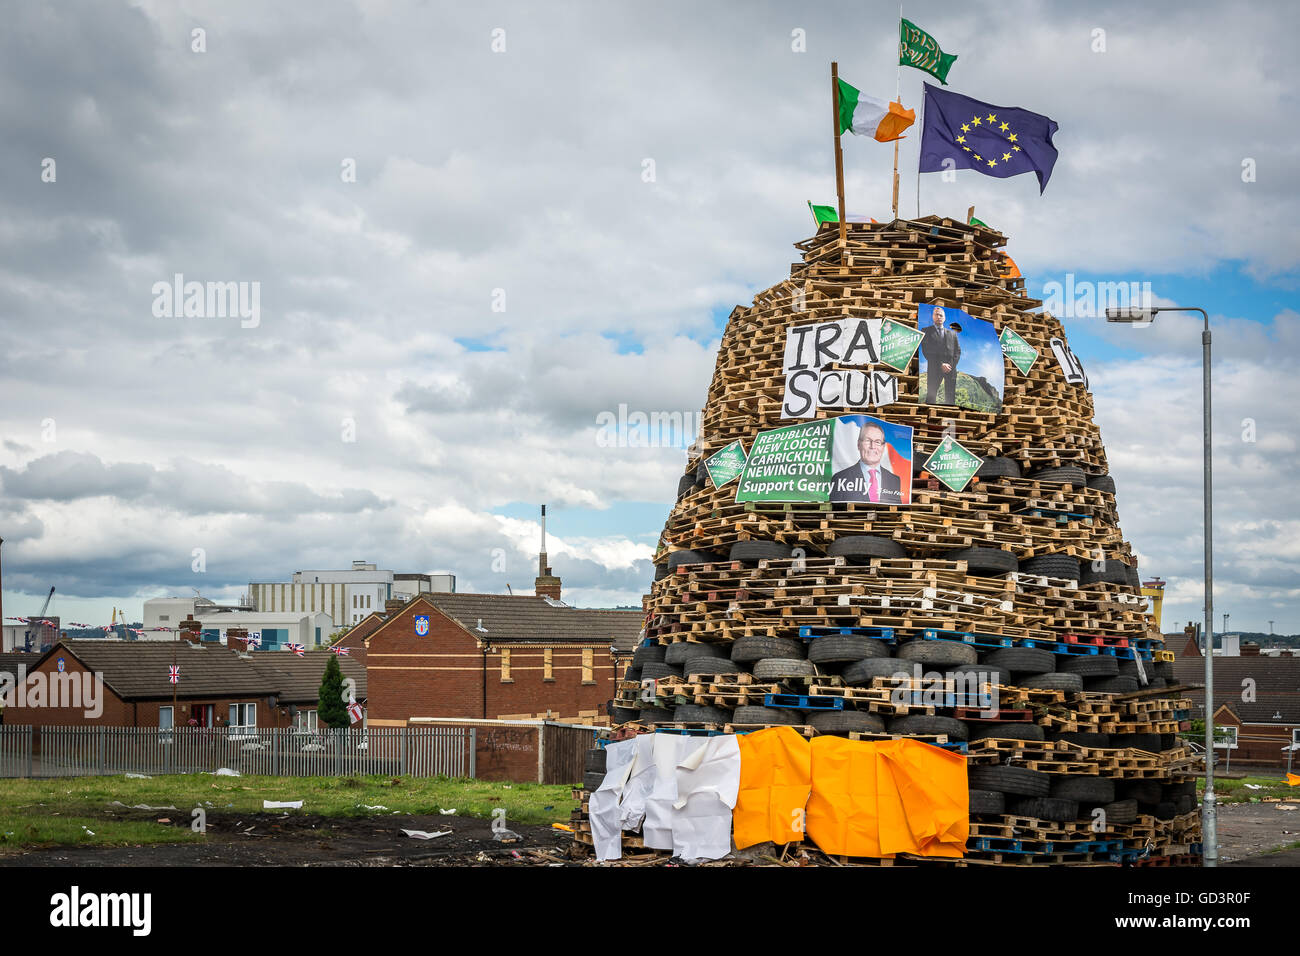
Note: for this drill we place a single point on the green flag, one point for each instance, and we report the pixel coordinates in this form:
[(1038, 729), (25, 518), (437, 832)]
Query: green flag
[(823, 213), (972, 221), (918, 49)]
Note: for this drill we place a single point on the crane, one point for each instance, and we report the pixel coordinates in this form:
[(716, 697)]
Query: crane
[(40, 620)]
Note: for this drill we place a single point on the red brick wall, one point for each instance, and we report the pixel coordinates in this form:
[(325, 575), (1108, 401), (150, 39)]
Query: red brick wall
[(116, 711), (441, 675)]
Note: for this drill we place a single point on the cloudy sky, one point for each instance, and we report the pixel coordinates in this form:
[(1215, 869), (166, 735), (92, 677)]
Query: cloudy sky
[(474, 228)]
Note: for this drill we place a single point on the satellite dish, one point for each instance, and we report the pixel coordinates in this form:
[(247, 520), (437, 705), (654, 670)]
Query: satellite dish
[(293, 711), (271, 701)]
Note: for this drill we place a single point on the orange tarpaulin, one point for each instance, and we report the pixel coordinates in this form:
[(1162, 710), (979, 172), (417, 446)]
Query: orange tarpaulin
[(775, 777), (924, 799), (877, 799)]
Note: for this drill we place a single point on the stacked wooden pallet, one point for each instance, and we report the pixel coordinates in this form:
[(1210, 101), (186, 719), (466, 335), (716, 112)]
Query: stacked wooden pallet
[(865, 619)]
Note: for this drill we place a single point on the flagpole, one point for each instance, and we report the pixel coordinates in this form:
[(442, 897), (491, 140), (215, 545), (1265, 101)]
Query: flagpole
[(839, 156), (898, 98), (918, 154)]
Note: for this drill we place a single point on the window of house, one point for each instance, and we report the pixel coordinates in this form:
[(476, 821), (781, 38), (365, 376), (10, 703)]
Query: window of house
[(243, 717), (164, 617), (165, 724), (305, 722), (588, 670), (548, 671), (505, 667)]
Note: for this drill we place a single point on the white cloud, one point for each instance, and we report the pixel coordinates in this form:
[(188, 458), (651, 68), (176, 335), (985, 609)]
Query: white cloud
[(522, 172)]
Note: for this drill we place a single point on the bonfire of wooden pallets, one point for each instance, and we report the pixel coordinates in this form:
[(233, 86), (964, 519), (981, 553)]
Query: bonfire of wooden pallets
[(837, 618)]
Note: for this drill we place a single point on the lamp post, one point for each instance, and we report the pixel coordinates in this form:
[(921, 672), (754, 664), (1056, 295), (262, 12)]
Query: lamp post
[(1209, 816)]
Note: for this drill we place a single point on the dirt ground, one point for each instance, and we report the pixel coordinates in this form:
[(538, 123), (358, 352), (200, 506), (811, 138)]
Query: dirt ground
[(296, 839), (1247, 831)]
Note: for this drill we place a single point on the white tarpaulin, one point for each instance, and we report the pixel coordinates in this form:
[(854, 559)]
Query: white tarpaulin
[(680, 790), (708, 782), (603, 807)]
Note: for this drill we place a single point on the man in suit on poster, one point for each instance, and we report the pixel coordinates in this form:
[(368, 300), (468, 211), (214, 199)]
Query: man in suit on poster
[(866, 479), (942, 351)]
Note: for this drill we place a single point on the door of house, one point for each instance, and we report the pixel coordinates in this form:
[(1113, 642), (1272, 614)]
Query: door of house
[(202, 713)]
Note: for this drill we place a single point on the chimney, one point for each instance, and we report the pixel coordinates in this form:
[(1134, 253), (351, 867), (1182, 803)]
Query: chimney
[(547, 584), (392, 606), (189, 630), (237, 639), (542, 569), (1250, 649)]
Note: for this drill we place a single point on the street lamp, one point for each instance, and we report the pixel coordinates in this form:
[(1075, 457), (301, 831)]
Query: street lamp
[(1209, 819)]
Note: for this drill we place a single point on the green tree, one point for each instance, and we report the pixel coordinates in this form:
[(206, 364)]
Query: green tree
[(331, 708)]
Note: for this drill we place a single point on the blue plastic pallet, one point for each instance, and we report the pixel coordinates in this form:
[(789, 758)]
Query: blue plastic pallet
[(689, 733), (1009, 845), (803, 702), (965, 637), (958, 745), (1061, 647), (1062, 517), (808, 632)]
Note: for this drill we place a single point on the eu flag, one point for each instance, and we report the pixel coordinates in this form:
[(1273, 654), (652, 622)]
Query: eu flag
[(995, 140)]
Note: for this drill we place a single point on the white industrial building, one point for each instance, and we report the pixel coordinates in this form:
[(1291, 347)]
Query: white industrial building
[(407, 586), (168, 612), (310, 629), (346, 596), (22, 637)]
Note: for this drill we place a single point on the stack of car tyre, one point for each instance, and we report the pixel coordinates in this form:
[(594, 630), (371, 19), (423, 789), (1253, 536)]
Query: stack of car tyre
[(1039, 528)]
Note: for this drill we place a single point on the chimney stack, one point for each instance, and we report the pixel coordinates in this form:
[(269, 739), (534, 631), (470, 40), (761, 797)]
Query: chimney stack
[(190, 630), (547, 584)]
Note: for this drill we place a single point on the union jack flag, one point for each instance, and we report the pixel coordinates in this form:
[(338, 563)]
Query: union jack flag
[(341, 651), (354, 711), (174, 673), (298, 649)]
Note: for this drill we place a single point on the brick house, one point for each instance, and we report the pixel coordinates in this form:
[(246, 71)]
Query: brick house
[(297, 681), (1256, 693), (355, 639), (217, 686), (495, 655)]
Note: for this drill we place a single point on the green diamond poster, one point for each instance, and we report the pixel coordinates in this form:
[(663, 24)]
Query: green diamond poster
[(1022, 354), (953, 464), (898, 344), (726, 464), (789, 464)]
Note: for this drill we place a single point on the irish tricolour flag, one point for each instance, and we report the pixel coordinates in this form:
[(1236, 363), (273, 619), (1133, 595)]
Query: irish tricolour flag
[(868, 116)]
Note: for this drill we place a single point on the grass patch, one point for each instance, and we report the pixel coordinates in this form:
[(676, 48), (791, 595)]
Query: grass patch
[(1236, 791), (61, 811)]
